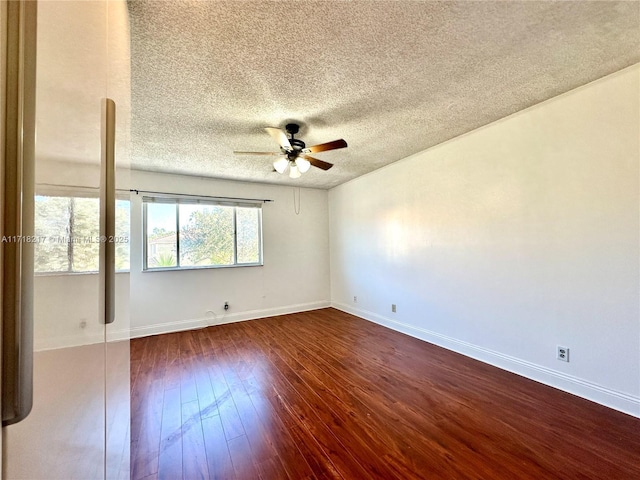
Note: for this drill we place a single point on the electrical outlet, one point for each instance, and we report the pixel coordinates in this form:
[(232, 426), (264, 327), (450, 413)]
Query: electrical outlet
[(563, 354), (393, 307), (355, 299)]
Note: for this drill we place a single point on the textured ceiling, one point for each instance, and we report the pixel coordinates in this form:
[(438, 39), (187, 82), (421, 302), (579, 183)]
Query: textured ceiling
[(390, 77)]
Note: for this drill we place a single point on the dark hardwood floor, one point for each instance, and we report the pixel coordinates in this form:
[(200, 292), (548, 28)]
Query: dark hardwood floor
[(324, 394)]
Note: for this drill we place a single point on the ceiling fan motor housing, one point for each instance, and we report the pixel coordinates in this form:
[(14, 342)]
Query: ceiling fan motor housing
[(297, 145), (292, 128)]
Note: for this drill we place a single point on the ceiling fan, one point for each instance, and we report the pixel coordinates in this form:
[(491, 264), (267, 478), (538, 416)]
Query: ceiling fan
[(294, 151)]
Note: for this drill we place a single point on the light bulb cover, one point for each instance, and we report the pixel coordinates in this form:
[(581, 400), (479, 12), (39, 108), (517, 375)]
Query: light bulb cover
[(303, 164), (293, 171), (281, 165)]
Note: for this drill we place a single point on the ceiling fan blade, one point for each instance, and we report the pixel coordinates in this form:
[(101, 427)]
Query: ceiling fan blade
[(318, 163), (280, 137), (257, 153), (323, 147)]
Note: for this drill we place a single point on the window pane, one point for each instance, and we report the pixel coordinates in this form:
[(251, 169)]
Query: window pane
[(52, 252), (161, 235), (123, 216), (85, 229), (248, 232), (206, 235)]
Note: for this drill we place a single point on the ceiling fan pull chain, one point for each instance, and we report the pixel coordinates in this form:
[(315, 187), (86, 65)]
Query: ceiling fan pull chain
[(296, 209)]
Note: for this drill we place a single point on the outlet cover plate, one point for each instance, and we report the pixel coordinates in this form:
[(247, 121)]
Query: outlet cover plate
[(562, 353)]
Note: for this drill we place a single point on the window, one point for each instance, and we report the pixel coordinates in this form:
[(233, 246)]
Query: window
[(67, 234), (195, 232)]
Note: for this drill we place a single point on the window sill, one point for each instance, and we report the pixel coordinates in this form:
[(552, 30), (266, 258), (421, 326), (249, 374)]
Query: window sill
[(73, 274), (204, 267)]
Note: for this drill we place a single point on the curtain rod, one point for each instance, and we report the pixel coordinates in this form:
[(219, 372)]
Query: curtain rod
[(263, 200)]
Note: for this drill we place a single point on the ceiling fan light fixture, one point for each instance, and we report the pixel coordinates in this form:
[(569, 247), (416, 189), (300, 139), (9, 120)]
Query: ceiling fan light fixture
[(281, 165), (294, 172), (303, 165), (293, 152)]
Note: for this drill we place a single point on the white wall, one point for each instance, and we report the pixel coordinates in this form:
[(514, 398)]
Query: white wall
[(508, 241), (295, 275), (66, 305), (66, 310)]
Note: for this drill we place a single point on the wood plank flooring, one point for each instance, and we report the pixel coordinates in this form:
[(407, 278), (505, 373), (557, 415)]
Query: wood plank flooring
[(324, 394)]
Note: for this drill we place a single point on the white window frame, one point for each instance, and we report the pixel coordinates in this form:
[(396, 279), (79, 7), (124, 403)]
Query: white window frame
[(178, 200), (64, 191)]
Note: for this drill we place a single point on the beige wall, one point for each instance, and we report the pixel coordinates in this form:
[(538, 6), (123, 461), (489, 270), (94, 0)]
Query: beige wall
[(506, 242)]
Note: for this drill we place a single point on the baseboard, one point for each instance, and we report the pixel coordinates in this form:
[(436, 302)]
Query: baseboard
[(54, 343), (69, 341), (191, 324), (623, 402)]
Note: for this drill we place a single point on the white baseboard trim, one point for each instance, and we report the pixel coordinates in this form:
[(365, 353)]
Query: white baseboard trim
[(54, 343), (610, 398), (79, 340), (192, 324)]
